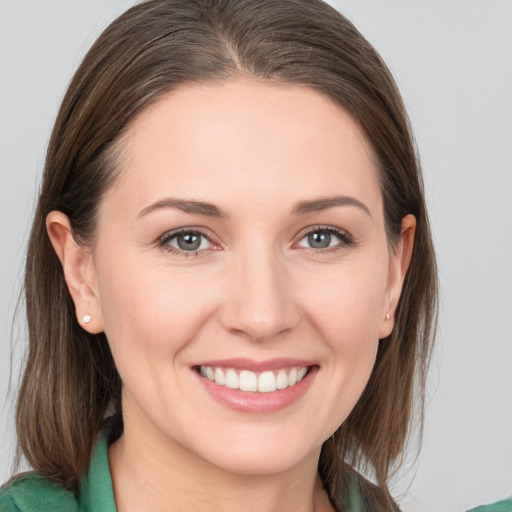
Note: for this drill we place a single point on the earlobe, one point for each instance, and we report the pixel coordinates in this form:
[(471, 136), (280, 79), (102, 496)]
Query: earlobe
[(79, 272), (398, 266)]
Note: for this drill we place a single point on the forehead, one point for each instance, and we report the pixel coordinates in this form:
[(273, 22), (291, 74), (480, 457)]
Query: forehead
[(246, 139)]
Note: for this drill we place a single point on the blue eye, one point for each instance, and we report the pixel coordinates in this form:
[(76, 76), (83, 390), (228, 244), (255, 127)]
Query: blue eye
[(326, 238), (186, 242), (320, 239)]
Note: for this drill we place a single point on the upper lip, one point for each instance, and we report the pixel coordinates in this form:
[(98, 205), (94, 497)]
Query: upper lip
[(256, 366)]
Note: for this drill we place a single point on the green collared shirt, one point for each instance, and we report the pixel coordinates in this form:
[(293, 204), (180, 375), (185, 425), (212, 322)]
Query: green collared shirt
[(33, 493), (500, 506)]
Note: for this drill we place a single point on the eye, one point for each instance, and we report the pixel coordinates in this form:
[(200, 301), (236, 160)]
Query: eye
[(186, 242), (322, 238)]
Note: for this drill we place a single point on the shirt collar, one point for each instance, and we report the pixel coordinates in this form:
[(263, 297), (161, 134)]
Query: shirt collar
[(95, 491)]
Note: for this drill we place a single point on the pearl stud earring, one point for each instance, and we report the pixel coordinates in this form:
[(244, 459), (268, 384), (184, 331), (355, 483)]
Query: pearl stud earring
[(86, 319), (388, 316)]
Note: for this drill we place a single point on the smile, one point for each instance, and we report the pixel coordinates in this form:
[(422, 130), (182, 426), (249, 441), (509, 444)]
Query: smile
[(261, 387), (261, 382)]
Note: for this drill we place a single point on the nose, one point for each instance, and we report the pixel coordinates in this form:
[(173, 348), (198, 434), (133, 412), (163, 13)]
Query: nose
[(260, 302)]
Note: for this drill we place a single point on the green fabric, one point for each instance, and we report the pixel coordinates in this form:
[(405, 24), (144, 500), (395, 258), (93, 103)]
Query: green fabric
[(355, 499), (33, 493), (500, 506), (95, 492)]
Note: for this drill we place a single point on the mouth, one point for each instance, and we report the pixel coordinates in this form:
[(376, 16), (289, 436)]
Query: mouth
[(256, 387), (267, 381)]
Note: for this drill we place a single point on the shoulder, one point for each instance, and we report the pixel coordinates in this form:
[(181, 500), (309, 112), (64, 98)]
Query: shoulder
[(500, 506), (31, 492)]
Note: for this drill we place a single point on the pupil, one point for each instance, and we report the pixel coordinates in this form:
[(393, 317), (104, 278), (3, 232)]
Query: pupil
[(320, 239), (189, 241)]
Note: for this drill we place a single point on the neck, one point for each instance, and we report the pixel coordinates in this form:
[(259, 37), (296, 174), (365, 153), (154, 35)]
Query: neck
[(153, 473)]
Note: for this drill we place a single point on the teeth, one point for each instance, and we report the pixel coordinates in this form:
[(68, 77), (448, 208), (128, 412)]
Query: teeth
[(282, 380), (265, 382), (248, 381), (292, 377), (219, 377), (231, 379)]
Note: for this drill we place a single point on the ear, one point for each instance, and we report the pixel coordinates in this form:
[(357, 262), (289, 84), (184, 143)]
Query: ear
[(79, 272), (399, 261)]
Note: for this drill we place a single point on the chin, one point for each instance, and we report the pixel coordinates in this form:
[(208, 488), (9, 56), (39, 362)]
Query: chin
[(258, 464), (265, 455)]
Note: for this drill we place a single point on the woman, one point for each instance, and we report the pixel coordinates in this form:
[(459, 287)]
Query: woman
[(230, 281)]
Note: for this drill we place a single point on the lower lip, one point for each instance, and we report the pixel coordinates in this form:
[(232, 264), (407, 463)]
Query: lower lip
[(253, 402)]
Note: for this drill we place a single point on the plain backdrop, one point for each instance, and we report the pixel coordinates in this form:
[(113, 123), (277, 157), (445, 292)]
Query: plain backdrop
[(452, 60)]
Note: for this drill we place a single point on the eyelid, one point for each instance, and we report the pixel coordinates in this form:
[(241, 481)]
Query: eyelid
[(163, 240), (346, 238)]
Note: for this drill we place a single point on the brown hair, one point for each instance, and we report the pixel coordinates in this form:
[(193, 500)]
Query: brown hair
[(70, 380)]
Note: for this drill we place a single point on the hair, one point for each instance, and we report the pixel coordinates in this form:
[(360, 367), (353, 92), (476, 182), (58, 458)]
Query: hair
[(70, 383)]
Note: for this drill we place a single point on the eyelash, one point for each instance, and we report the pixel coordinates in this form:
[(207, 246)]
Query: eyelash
[(346, 240), (163, 242)]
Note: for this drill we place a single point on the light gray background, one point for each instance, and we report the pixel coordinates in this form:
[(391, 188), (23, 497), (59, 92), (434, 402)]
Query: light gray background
[(453, 63)]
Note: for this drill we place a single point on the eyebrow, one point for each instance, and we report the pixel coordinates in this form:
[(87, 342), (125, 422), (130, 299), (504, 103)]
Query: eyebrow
[(211, 210), (324, 203), (187, 206)]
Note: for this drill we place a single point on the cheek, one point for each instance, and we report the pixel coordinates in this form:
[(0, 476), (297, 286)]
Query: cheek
[(351, 323), (347, 311), (149, 312), (347, 303)]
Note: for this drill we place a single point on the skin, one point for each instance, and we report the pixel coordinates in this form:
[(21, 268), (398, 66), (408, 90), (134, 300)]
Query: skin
[(255, 289)]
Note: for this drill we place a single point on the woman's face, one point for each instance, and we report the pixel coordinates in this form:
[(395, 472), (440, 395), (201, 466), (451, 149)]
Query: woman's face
[(243, 246)]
